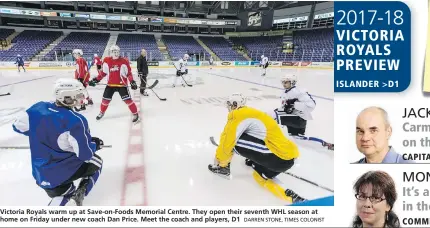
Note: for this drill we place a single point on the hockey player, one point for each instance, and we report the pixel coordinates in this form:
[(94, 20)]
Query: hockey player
[(61, 146), (142, 69), (211, 61), (97, 61), (82, 74), (296, 109), (264, 63), (256, 136), (20, 62), (119, 75), (181, 68)]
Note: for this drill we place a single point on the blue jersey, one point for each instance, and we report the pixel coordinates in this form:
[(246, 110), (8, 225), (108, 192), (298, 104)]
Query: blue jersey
[(20, 61), (60, 142)]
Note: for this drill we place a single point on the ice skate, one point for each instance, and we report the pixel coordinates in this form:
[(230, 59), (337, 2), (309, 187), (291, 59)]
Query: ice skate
[(144, 93), (294, 196), (100, 116), (220, 171), (79, 194), (136, 118)]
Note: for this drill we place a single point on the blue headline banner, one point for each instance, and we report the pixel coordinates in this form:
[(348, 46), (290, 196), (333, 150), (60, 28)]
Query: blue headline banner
[(372, 46)]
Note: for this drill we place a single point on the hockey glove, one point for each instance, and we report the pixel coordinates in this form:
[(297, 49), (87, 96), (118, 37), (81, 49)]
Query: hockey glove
[(289, 108), (178, 73), (93, 82), (133, 85), (186, 71), (99, 143), (291, 101)]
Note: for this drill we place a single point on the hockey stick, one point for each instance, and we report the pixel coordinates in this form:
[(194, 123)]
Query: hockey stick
[(212, 139), (6, 94), (186, 83), (330, 146), (161, 99), (183, 77), (27, 147)]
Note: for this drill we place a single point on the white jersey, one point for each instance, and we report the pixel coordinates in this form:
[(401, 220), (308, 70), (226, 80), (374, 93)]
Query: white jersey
[(181, 65), (304, 105), (264, 61)]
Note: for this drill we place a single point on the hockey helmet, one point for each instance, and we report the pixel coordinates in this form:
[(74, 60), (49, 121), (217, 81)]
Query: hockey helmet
[(77, 52), (289, 78), (143, 52), (69, 92), (186, 57), (114, 51), (235, 101), (95, 55)]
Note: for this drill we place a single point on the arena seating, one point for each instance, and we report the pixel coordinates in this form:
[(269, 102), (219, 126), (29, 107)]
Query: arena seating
[(5, 33), (90, 43), (132, 44), (28, 43), (257, 46), (222, 48), (309, 45), (314, 45), (177, 46)]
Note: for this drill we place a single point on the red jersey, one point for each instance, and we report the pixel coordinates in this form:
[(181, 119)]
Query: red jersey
[(82, 70), (118, 72), (97, 61)]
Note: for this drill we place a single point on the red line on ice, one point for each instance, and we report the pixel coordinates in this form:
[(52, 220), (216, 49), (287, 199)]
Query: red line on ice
[(134, 174)]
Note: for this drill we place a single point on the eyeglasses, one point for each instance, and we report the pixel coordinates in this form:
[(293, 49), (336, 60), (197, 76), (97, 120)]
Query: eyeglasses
[(373, 199)]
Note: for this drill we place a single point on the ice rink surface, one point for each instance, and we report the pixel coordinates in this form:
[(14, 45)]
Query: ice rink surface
[(175, 148)]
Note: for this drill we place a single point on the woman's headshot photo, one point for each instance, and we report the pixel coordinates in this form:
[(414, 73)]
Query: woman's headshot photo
[(375, 194)]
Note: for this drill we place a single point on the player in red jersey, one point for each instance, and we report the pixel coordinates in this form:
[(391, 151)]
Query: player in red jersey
[(118, 72), (82, 74), (97, 61)]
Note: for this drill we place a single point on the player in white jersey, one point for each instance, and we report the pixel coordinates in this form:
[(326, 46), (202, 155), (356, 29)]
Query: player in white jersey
[(296, 109), (211, 61), (181, 68), (264, 63)]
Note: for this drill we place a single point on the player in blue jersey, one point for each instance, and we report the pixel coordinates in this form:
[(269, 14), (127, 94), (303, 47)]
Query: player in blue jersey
[(62, 149), (20, 62)]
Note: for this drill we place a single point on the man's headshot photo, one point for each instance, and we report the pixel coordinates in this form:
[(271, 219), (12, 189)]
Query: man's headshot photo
[(372, 136)]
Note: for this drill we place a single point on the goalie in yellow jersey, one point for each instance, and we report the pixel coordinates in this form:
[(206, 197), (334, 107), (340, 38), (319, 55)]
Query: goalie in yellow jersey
[(256, 136)]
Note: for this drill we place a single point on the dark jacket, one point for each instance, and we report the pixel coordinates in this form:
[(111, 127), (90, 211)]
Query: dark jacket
[(142, 65)]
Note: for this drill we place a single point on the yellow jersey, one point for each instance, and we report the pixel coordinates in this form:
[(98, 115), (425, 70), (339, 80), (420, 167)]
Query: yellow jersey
[(259, 125)]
